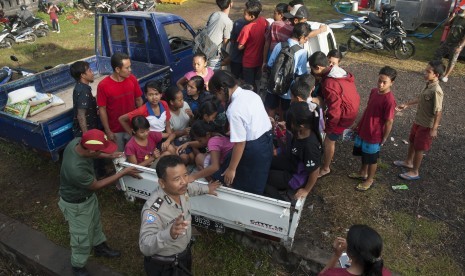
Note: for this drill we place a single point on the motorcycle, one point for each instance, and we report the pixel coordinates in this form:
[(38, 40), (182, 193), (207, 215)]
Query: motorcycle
[(39, 26), (391, 38), (13, 73), (139, 5), (6, 39)]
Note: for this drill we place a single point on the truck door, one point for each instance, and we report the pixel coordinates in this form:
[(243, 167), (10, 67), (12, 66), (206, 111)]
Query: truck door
[(180, 40)]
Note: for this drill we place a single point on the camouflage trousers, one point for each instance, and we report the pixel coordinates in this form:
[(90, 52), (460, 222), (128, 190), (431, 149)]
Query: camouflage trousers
[(447, 49)]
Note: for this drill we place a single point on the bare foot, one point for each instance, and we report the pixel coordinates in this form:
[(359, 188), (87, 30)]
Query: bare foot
[(324, 173)]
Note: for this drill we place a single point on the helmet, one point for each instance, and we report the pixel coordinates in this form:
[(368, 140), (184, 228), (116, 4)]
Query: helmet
[(23, 7)]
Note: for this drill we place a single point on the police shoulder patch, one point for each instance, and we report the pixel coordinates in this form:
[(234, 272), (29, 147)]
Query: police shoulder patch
[(150, 218), (157, 204)]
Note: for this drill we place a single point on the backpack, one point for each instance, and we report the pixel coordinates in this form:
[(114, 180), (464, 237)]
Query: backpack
[(203, 44), (282, 72)]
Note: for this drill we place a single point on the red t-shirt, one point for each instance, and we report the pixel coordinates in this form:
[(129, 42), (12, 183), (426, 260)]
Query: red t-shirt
[(141, 152), (118, 98), (380, 108), (252, 36), (344, 272)]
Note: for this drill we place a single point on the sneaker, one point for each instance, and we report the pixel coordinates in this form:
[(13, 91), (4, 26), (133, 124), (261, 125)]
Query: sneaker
[(444, 79), (58, 32), (54, 31)]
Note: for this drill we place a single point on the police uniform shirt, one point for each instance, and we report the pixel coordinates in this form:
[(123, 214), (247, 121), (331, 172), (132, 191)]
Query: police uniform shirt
[(247, 116), (158, 215)]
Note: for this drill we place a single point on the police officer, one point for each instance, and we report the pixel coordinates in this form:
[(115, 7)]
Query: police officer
[(165, 232), (78, 201)]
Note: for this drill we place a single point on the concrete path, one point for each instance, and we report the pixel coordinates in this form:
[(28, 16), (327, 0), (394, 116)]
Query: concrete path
[(31, 249)]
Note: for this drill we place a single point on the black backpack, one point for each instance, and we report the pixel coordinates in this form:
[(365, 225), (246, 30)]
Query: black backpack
[(282, 73), (203, 44)]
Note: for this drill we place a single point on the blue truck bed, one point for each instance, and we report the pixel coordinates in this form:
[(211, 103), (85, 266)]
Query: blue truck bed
[(50, 131)]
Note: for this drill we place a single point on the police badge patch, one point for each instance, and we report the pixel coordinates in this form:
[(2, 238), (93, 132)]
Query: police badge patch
[(151, 218)]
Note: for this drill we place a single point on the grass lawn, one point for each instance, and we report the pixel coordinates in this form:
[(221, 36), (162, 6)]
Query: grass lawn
[(213, 254)]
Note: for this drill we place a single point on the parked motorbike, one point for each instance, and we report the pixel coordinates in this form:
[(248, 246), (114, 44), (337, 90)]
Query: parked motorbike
[(139, 5), (391, 38), (13, 73), (39, 26), (6, 39)]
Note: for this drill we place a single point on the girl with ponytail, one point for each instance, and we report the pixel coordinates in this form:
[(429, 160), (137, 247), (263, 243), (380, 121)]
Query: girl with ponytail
[(363, 246)]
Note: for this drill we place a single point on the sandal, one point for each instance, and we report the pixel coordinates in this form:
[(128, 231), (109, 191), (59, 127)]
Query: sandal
[(362, 188), (399, 163), (357, 176)]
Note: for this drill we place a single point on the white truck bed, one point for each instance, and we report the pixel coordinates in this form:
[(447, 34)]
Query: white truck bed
[(232, 208)]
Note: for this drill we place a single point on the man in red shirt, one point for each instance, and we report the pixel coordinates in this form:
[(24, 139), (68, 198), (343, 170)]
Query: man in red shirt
[(118, 94), (252, 40)]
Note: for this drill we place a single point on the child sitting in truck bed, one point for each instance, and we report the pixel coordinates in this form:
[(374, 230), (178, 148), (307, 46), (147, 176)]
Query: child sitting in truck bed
[(196, 94), (199, 62), (157, 113), (181, 114), (218, 146)]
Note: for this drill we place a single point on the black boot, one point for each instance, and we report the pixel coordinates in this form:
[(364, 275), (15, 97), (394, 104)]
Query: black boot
[(80, 271), (102, 250)]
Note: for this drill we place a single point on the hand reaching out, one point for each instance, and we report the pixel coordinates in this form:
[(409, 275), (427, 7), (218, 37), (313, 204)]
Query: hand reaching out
[(179, 227)]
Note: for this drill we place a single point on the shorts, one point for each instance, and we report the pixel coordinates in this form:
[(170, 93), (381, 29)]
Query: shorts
[(273, 101), (333, 136), (369, 152), (420, 137)]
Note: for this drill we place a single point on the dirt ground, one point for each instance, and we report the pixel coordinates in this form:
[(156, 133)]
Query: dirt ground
[(29, 184)]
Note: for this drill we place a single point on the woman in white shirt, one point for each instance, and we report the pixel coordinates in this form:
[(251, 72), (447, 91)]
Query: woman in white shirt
[(250, 127)]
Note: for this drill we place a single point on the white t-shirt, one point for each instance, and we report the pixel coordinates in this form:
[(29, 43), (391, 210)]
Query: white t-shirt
[(180, 121), (247, 116)]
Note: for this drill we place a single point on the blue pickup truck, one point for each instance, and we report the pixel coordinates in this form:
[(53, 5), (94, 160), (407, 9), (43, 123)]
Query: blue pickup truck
[(159, 45)]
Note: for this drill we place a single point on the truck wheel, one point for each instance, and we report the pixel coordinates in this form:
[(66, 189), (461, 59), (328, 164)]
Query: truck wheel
[(7, 43), (405, 51), (30, 38), (354, 46)]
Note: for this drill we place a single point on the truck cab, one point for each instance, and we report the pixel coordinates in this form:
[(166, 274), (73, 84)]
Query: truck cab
[(157, 38)]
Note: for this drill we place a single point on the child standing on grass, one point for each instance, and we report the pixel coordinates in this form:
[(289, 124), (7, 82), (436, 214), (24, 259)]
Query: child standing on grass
[(279, 31), (427, 120), (374, 127), (199, 62), (52, 11), (141, 149)]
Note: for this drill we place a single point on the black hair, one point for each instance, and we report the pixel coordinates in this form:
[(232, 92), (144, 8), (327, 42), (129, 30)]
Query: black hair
[(223, 4), (300, 114), (199, 83), (170, 93), (221, 80), (335, 53), (78, 68), (117, 60), (199, 54), (364, 246), (302, 86), (438, 67), (301, 29), (140, 122), (253, 8), (200, 129), (318, 59), (388, 71), (296, 2), (281, 8), (152, 85), (167, 161), (208, 108)]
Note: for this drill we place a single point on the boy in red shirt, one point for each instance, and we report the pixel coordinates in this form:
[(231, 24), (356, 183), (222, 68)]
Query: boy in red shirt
[(374, 127), (252, 40)]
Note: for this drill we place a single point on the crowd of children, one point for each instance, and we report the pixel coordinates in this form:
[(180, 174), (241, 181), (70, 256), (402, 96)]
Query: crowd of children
[(216, 121)]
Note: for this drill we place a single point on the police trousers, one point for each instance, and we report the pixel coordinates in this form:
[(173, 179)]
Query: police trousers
[(175, 265), (85, 228)]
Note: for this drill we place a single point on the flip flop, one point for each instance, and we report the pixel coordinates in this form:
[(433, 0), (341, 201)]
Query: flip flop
[(323, 175), (362, 188), (408, 177), (357, 176), (399, 163)]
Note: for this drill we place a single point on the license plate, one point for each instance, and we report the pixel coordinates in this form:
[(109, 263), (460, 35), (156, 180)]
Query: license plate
[(204, 222)]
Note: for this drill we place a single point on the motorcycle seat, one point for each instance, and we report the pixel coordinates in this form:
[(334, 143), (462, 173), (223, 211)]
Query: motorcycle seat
[(374, 20), (374, 30)]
